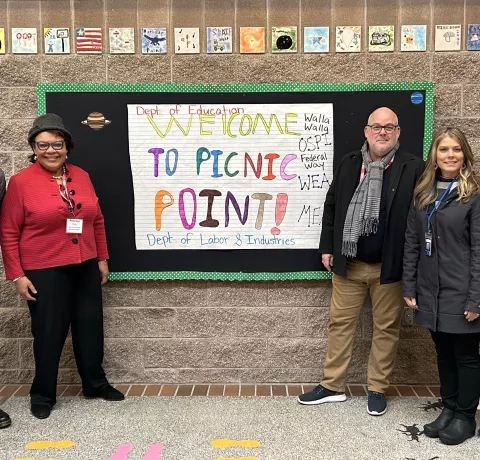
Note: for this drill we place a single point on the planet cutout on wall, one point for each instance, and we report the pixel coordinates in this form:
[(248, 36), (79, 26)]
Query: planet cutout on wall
[(96, 121)]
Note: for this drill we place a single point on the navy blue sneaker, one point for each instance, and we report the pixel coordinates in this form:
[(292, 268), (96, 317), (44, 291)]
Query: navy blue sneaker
[(320, 395), (377, 405)]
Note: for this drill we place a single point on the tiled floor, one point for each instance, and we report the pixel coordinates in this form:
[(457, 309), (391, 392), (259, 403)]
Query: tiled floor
[(228, 428), (276, 389)]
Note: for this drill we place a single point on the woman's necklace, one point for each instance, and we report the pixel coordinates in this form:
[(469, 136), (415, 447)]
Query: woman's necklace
[(60, 177)]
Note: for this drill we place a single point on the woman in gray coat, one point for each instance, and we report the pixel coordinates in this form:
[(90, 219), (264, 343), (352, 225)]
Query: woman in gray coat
[(441, 279)]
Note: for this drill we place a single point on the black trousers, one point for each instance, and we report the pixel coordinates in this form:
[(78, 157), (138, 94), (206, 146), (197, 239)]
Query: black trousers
[(70, 295), (459, 370)]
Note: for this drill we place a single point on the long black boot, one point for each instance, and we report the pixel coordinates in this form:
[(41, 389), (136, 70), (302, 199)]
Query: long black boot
[(442, 421), (458, 431)]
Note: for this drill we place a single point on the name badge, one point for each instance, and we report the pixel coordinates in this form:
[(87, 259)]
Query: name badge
[(428, 243), (74, 225)]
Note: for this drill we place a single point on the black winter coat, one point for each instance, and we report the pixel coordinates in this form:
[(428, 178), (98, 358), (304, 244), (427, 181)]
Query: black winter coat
[(447, 283), (406, 169)]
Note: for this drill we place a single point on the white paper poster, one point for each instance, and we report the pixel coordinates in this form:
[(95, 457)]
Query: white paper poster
[(230, 176), (24, 40), (57, 40), (448, 37)]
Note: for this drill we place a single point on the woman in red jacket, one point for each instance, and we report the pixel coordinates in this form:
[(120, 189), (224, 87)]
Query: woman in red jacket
[(4, 417), (54, 249)]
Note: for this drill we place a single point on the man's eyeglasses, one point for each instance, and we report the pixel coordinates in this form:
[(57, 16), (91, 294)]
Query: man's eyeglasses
[(378, 128), (57, 145)]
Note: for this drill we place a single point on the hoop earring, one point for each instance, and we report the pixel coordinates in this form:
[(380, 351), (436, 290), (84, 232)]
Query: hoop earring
[(464, 167), (436, 166)]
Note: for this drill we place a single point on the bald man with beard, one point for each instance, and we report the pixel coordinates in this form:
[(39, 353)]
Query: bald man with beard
[(363, 231)]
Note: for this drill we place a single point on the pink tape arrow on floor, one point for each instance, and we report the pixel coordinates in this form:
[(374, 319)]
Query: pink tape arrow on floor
[(124, 449), (154, 452), (122, 452)]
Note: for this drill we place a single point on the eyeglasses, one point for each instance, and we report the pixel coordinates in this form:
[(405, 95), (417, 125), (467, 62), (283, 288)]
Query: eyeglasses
[(390, 128), (43, 145)]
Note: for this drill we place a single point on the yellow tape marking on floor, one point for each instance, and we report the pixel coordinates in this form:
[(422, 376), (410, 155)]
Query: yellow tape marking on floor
[(50, 445), (232, 443), (237, 458), (31, 458)]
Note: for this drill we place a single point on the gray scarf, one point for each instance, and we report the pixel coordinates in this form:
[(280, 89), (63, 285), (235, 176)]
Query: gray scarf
[(364, 208)]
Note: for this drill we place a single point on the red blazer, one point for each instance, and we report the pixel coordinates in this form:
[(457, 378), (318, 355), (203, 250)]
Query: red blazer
[(33, 222)]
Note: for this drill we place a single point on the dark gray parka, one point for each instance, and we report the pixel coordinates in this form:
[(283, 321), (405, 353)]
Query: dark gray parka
[(2, 186), (447, 283)]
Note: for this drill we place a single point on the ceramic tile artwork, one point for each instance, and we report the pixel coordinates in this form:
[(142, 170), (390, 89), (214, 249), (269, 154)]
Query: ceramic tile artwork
[(448, 37), (413, 38), (316, 39), (219, 39), (89, 40), (24, 40), (252, 39), (57, 40), (473, 42), (187, 40), (348, 39), (2, 40), (381, 38), (284, 39), (154, 40), (122, 40)]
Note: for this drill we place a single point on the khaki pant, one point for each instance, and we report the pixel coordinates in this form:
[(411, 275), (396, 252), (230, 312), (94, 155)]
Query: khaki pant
[(348, 298)]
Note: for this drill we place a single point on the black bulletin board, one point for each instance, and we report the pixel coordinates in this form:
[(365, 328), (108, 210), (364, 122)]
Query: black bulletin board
[(104, 155)]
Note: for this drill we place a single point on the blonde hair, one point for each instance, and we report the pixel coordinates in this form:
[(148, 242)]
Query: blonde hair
[(426, 192)]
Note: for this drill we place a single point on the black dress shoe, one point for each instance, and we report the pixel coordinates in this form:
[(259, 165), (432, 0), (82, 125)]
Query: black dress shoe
[(40, 411), (443, 420), (111, 394), (4, 419), (457, 431)]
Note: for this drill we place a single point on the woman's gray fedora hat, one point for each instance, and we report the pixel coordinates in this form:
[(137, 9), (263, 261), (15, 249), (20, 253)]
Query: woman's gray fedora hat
[(47, 122)]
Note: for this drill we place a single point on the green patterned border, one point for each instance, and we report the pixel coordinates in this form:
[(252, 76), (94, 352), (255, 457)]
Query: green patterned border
[(428, 87), (220, 276)]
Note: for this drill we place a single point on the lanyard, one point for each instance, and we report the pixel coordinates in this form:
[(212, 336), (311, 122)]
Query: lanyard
[(65, 196), (364, 169), (437, 205)]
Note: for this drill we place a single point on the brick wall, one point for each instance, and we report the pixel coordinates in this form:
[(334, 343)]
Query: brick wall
[(211, 331)]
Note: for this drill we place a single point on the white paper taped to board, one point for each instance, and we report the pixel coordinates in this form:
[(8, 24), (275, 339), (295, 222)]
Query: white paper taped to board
[(230, 176)]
